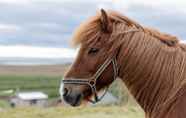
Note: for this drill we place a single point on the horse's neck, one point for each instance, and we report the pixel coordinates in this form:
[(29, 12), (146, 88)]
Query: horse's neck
[(142, 71)]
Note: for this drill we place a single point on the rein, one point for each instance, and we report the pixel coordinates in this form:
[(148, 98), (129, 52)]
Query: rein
[(91, 82)]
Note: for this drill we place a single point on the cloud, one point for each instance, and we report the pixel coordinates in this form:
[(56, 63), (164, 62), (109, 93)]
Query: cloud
[(168, 5), (50, 23), (9, 28), (16, 2), (21, 51), (42, 28)]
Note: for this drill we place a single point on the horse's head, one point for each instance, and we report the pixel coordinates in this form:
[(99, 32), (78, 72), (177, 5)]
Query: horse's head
[(95, 67)]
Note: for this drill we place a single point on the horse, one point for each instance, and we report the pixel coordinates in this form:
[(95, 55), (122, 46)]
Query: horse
[(152, 65)]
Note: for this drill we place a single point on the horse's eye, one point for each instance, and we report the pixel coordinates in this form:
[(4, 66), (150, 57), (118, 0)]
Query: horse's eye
[(93, 50)]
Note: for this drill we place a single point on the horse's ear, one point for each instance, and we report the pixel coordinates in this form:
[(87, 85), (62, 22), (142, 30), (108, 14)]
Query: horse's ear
[(105, 22)]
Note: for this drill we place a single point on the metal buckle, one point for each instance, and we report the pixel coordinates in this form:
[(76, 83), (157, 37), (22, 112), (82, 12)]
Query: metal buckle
[(92, 82)]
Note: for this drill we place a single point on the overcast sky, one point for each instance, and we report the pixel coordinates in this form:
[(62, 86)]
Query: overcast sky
[(49, 23)]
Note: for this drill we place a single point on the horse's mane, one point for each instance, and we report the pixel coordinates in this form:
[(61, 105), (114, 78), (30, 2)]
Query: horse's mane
[(92, 26)]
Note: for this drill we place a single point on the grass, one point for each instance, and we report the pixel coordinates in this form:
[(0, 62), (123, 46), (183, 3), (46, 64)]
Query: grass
[(47, 84), (4, 104), (50, 85), (68, 112)]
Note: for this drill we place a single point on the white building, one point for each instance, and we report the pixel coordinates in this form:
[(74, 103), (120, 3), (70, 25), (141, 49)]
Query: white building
[(29, 99)]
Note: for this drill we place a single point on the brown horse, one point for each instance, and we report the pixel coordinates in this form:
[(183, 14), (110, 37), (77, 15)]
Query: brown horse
[(150, 63)]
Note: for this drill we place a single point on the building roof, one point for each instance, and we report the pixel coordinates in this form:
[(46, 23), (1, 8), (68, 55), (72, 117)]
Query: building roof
[(31, 95)]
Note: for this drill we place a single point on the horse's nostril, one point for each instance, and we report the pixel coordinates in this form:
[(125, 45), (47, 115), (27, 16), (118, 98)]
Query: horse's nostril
[(65, 92)]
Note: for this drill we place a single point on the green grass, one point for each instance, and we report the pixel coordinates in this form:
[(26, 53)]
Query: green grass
[(68, 112), (49, 85), (4, 104)]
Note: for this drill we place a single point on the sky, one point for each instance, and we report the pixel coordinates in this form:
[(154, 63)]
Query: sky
[(43, 28)]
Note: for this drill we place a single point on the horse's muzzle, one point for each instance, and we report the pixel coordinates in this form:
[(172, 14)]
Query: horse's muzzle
[(71, 96)]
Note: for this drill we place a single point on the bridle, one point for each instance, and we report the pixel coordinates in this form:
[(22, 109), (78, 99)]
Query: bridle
[(91, 82)]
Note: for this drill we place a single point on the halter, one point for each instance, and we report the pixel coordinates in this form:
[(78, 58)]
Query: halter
[(91, 82)]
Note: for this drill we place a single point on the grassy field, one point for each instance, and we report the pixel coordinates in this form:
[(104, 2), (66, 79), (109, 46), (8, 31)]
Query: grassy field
[(68, 112), (4, 104), (47, 79), (47, 84), (44, 78)]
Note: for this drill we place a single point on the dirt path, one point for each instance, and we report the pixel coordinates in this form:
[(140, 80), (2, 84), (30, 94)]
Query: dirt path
[(49, 70)]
